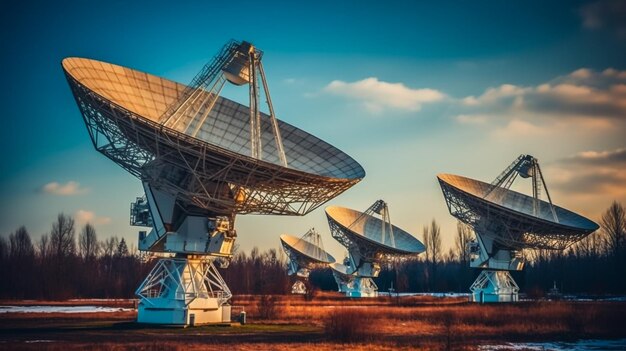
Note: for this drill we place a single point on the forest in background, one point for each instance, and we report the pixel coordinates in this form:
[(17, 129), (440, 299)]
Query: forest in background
[(64, 264)]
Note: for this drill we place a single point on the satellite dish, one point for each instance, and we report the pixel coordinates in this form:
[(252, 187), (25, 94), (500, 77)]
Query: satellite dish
[(202, 159), (506, 222), (305, 253), (370, 241)]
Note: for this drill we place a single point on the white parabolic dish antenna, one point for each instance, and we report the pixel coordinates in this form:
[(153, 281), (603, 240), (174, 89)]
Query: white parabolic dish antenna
[(366, 231), (370, 241), (202, 159), (513, 212), (305, 253), (506, 221)]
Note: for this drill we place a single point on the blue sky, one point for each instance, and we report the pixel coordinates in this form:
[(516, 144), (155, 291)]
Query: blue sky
[(408, 89)]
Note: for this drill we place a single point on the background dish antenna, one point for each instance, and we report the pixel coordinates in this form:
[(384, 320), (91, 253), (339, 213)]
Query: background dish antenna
[(506, 222), (305, 254), (371, 240)]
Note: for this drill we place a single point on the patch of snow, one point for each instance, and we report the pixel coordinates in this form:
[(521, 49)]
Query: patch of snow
[(581, 345), (448, 294), (37, 341), (61, 309)]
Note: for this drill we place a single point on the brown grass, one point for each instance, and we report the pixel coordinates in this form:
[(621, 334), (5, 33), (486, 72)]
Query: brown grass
[(330, 320), (349, 325)]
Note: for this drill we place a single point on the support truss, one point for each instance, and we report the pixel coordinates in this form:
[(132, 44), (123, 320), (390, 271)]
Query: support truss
[(182, 281), (200, 173), (494, 286)]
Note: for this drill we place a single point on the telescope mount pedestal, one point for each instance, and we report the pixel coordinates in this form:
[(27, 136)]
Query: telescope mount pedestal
[(184, 291), (494, 283), (355, 286), (494, 286)]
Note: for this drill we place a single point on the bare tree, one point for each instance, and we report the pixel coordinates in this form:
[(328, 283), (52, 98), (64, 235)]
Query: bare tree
[(590, 246), (20, 245), (88, 242), (122, 249), (62, 236), (426, 242), (463, 237), (43, 247), (432, 243), (435, 242), (4, 249), (109, 246), (613, 224)]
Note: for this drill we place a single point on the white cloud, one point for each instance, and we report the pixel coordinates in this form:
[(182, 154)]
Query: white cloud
[(84, 216), (494, 95), (472, 119), (612, 72), (581, 73), (615, 157), (594, 174), (376, 95), (519, 128), (584, 92), (70, 188), (584, 103)]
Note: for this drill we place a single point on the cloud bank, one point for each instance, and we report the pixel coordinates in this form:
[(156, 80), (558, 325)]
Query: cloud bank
[(377, 96), (582, 101), (70, 188)]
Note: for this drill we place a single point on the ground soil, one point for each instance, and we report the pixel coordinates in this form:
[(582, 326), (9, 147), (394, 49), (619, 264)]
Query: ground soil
[(327, 322)]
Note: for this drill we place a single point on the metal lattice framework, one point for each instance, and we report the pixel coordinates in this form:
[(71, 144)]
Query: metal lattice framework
[(380, 208), (202, 160), (184, 281), (376, 239), (206, 175), (500, 281), (368, 251), (371, 241), (509, 228), (351, 283), (506, 222), (306, 252), (528, 167)]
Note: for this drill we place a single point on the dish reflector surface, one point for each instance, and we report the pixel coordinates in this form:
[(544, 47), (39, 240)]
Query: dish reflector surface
[(369, 229), (227, 126), (307, 249), (519, 204)]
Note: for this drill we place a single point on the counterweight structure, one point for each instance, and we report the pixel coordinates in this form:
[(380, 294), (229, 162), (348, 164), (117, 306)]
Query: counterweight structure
[(371, 240), (202, 159), (305, 254), (506, 222)]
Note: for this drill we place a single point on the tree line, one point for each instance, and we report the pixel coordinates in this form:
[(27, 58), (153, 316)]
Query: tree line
[(63, 265)]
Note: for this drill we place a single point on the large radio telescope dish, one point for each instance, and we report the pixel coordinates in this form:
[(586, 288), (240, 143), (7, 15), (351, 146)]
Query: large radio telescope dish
[(370, 241), (305, 253), (213, 167), (202, 160), (354, 229), (510, 214), (506, 222)]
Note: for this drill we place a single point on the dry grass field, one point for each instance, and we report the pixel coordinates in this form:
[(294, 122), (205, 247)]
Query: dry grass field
[(328, 322)]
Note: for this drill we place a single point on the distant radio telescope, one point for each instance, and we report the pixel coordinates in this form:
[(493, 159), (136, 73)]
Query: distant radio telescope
[(371, 240), (305, 253), (202, 159), (507, 222)]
